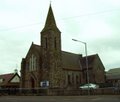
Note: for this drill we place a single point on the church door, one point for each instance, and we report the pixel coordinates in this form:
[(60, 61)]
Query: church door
[(32, 83)]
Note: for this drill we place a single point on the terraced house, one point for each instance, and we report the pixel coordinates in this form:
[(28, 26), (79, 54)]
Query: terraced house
[(46, 65)]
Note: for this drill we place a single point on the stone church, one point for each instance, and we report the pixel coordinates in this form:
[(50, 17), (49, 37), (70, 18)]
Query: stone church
[(48, 66)]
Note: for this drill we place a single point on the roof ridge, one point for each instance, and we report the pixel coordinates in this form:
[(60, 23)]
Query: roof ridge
[(36, 44), (90, 55), (6, 74), (71, 53)]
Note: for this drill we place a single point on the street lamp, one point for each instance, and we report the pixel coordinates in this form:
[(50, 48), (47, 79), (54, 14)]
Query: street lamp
[(86, 62)]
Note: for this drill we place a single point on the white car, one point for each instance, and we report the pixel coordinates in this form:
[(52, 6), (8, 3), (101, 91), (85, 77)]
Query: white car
[(89, 86)]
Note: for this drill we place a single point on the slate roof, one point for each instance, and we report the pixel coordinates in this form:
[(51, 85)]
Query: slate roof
[(113, 73), (90, 58), (37, 47), (71, 61), (7, 78)]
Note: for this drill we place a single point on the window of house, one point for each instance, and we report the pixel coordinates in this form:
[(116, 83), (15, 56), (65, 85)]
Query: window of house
[(1, 80), (69, 81)]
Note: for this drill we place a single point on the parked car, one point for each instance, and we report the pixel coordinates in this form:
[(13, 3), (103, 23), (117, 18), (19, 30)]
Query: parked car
[(89, 86)]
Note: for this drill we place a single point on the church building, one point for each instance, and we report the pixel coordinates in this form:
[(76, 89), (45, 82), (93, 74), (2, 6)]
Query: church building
[(46, 65)]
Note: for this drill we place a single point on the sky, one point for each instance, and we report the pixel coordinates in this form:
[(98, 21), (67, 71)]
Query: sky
[(96, 22)]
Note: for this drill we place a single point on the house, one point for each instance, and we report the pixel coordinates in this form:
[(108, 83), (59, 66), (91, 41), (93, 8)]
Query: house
[(11, 80), (113, 77), (46, 65)]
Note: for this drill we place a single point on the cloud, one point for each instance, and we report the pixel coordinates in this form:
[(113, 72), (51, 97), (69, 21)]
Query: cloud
[(93, 21)]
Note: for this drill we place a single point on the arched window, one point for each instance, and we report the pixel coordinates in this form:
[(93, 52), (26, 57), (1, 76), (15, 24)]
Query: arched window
[(72, 78), (55, 43), (69, 81), (46, 43), (32, 63), (77, 79)]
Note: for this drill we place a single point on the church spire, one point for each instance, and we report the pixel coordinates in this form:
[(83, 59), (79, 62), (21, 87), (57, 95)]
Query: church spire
[(50, 21), (51, 51)]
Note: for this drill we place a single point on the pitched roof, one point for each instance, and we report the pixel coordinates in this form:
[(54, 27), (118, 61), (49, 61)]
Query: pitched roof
[(34, 47), (113, 73), (113, 76), (6, 78), (90, 58), (37, 47), (70, 61)]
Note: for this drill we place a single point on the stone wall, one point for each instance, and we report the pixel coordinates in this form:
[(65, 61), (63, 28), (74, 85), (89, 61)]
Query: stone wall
[(59, 92)]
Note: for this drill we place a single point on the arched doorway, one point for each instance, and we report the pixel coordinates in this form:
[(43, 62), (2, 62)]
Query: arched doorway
[(32, 82)]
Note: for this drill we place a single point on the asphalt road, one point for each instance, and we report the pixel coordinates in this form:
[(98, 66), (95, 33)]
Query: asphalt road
[(105, 98)]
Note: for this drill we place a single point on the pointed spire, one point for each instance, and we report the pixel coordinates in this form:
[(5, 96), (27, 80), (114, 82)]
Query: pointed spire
[(50, 21), (50, 18)]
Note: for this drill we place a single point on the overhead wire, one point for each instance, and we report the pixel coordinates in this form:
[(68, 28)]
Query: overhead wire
[(91, 14), (67, 18), (17, 27)]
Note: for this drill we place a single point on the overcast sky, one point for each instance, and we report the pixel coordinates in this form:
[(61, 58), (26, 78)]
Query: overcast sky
[(96, 22)]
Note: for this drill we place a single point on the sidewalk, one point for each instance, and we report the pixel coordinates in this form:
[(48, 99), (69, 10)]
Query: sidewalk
[(97, 98)]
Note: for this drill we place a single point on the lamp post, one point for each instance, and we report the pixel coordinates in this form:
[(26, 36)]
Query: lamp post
[(86, 62)]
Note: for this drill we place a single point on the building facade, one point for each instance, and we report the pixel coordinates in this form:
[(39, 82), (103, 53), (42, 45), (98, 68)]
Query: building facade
[(48, 66), (11, 80), (113, 77)]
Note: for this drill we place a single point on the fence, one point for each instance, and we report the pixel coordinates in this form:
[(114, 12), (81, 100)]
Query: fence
[(65, 92)]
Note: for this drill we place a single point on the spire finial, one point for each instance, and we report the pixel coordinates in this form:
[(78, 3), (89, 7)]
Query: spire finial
[(50, 2), (50, 20)]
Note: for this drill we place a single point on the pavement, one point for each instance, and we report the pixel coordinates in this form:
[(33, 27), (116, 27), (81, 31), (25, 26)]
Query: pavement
[(97, 98)]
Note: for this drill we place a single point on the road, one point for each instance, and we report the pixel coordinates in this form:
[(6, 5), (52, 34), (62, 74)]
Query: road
[(104, 98)]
